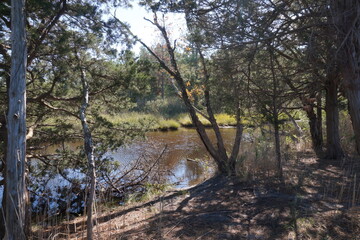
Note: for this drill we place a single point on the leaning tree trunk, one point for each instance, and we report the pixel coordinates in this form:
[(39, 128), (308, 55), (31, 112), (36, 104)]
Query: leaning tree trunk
[(346, 17), (16, 127), (333, 146), (225, 164), (89, 151)]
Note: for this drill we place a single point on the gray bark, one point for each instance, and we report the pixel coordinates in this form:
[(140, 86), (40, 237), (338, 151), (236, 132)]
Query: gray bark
[(275, 115), (16, 128), (89, 151)]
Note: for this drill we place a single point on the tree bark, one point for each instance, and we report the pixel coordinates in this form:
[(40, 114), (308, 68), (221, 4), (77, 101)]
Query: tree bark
[(89, 151), (277, 147), (16, 127), (347, 20), (333, 146), (3, 138), (353, 96), (315, 131), (275, 116), (237, 141)]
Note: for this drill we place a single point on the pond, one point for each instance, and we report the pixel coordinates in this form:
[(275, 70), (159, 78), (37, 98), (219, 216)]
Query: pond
[(184, 163), (182, 148)]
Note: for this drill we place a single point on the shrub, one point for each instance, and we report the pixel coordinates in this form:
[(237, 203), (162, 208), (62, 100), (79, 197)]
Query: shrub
[(168, 108)]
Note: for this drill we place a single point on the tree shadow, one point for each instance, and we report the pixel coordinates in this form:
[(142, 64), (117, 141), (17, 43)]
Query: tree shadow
[(226, 208)]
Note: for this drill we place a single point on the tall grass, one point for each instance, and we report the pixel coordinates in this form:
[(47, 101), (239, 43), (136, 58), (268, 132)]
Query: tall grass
[(222, 119), (149, 122), (153, 122)]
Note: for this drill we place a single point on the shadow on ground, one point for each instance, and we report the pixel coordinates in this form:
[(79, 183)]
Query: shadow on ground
[(318, 201)]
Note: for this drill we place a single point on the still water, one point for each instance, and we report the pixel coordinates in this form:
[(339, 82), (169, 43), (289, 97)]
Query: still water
[(182, 146)]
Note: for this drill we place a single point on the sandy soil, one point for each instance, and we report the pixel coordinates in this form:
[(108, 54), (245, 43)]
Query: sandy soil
[(319, 200)]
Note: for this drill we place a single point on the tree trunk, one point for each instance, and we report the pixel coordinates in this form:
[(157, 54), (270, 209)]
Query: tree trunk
[(333, 146), (3, 138), (277, 148), (345, 15), (16, 127), (315, 131), (89, 151), (237, 141), (225, 164), (353, 96)]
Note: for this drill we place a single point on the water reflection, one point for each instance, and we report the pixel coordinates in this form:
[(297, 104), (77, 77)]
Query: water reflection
[(181, 145)]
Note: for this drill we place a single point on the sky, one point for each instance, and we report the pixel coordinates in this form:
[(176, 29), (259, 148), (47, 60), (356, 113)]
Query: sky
[(134, 16)]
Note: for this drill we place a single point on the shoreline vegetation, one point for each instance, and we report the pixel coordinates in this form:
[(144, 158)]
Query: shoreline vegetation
[(155, 122)]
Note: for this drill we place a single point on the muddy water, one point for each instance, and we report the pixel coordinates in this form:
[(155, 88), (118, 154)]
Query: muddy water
[(185, 161), (182, 146)]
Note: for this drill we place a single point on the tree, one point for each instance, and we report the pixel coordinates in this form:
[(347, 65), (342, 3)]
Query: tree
[(226, 163), (345, 16), (50, 24), (16, 127)]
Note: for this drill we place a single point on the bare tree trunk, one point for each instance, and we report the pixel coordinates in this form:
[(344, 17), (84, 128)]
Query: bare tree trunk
[(220, 142), (225, 164), (88, 145), (333, 146), (219, 153), (16, 127)]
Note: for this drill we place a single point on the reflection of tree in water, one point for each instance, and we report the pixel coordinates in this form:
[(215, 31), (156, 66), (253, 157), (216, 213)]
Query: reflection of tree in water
[(185, 144), (193, 171)]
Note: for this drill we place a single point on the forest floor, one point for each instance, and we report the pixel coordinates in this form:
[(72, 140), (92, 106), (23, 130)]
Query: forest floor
[(319, 200)]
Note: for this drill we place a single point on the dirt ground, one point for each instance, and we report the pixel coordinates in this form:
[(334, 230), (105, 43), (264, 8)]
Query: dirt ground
[(319, 200)]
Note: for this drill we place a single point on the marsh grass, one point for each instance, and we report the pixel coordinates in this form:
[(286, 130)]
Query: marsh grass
[(148, 122), (170, 124), (152, 122), (222, 119)]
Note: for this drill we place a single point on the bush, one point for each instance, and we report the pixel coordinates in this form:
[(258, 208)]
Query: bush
[(168, 108), (165, 125)]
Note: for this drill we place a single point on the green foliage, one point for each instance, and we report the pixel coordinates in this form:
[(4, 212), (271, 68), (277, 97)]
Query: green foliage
[(168, 107), (165, 125)]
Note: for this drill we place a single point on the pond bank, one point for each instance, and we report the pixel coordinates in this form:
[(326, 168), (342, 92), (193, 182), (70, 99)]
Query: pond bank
[(226, 208)]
